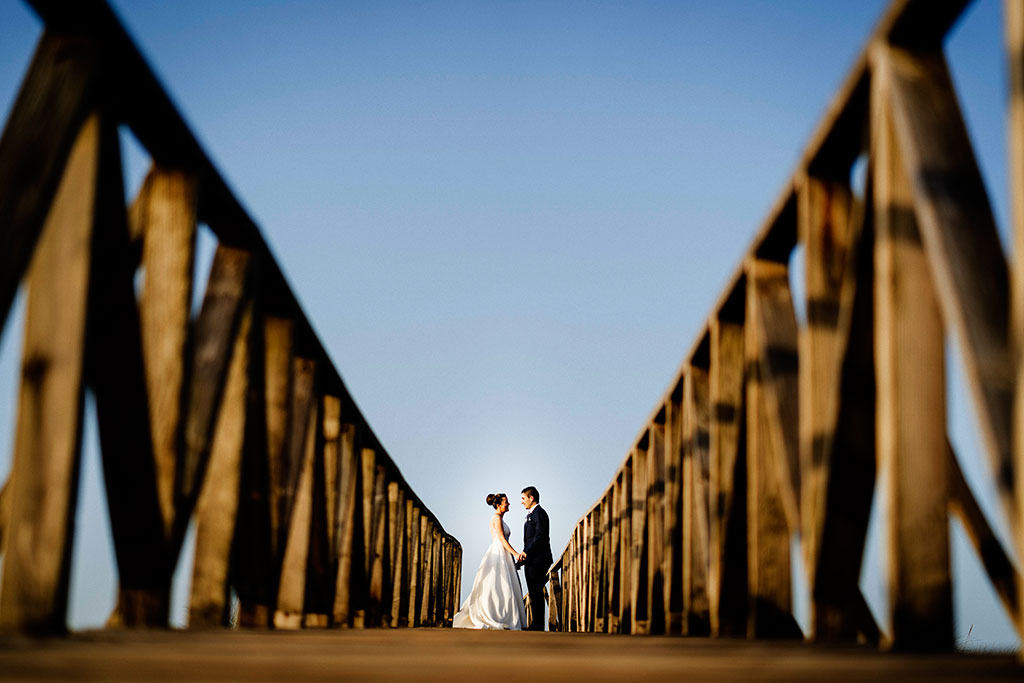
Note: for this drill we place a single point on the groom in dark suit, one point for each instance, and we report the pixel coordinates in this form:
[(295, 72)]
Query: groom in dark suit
[(536, 555)]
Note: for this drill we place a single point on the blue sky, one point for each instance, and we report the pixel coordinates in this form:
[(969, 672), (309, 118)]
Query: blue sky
[(509, 220)]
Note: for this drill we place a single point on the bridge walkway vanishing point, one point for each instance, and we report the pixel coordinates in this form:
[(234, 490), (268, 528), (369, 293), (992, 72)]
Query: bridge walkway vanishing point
[(237, 419), (434, 654)]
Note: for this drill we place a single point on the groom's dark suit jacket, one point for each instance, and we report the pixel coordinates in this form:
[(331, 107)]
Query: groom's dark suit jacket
[(536, 539)]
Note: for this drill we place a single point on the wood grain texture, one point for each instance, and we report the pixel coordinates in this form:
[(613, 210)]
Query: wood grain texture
[(1014, 13), (696, 419), (213, 338), (37, 545), (727, 562), (966, 260), (292, 586), (768, 527), (217, 507), (656, 527), (278, 343), (911, 397), (846, 478), (348, 499), (168, 212)]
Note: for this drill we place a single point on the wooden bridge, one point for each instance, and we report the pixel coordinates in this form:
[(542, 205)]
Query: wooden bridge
[(236, 419)]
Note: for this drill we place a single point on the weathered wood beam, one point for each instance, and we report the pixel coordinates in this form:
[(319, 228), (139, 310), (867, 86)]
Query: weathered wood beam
[(1014, 13), (910, 377), (727, 562), (37, 545), (168, 200), (291, 594), (966, 260), (217, 506)]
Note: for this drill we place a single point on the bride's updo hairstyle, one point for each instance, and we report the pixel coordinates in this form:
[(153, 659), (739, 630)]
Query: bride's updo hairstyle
[(494, 499)]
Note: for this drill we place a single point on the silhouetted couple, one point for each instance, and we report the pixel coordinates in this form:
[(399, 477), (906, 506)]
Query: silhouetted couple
[(496, 600)]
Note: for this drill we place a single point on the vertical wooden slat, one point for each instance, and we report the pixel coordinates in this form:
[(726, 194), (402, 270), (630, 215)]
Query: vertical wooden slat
[(842, 468), (696, 476), (291, 594), (213, 337), (37, 546), (209, 604), (348, 499), (397, 541), (656, 526), (638, 584), (911, 398), (965, 257), (777, 335), (824, 209), (1014, 12), (415, 588), (626, 550), (727, 580), (614, 542), (332, 469), (318, 599), (378, 549), (425, 588), (167, 202), (768, 534), (278, 342), (554, 602), (303, 403), (672, 560)]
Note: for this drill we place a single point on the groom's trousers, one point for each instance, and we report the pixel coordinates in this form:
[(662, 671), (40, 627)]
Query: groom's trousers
[(536, 577)]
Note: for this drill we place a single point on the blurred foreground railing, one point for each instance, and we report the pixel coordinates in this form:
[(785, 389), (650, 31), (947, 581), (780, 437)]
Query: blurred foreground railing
[(771, 428), (236, 419)]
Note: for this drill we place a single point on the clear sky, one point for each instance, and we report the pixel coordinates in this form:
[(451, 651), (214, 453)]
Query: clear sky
[(509, 220)]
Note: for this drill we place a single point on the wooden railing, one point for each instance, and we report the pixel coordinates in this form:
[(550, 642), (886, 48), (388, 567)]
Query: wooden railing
[(235, 419), (772, 428)]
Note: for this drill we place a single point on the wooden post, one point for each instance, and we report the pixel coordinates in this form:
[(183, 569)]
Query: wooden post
[(672, 559), (626, 550), (291, 597), (168, 206), (911, 397), (768, 527), (278, 341), (656, 525), (415, 562), (727, 579), (217, 508), (638, 586), (44, 483), (695, 514), (348, 499), (426, 562), (1014, 12)]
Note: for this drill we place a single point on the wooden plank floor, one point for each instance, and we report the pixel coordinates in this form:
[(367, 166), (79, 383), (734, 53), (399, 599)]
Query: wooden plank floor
[(446, 655)]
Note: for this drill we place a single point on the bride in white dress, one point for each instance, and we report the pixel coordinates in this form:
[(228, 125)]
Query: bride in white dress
[(497, 598)]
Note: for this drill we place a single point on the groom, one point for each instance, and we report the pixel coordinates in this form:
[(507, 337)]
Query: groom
[(536, 555)]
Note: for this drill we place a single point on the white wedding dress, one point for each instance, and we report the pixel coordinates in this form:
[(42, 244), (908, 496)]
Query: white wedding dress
[(497, 598)]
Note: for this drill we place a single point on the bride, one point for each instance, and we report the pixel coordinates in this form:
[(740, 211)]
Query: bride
[(497, 598)]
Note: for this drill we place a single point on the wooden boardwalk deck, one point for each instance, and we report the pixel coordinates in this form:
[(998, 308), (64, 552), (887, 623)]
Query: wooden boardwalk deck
[(446, 655)]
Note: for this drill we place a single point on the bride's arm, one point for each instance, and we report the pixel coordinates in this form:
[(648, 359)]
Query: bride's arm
[(496, 527)]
